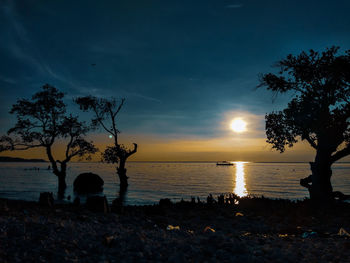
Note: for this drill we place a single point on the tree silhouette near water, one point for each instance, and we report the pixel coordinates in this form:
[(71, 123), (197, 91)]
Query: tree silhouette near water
[(105, 115), (42, 122), (318, 112)]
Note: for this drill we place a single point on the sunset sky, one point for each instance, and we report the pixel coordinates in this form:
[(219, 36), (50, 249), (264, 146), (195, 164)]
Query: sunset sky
[(186, 68)]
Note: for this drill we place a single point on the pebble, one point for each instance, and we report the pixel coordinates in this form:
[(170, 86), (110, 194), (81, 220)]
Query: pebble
[(132, 237)]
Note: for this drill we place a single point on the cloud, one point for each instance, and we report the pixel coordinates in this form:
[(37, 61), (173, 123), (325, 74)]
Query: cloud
[(234, 6), (7, 80), (11, 15), (22, 47), (138, 95)]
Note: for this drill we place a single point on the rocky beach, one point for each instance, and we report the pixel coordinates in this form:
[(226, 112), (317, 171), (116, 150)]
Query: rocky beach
[(252, 230)]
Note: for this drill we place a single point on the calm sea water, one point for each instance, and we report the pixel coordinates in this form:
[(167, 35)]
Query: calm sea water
[(149, 182)]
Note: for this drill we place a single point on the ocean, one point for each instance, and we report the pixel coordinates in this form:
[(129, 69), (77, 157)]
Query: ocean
[(151, 181)]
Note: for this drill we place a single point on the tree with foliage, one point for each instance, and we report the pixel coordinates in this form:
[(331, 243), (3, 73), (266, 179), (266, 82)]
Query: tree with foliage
[(42, 122), (105, 115), (318, 112)]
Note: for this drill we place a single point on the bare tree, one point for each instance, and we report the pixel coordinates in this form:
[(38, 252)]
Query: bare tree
[(105, 115), (42, 122)]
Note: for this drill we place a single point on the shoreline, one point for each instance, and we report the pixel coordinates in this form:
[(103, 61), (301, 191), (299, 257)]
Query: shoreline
[(23, 160), (255, 230)]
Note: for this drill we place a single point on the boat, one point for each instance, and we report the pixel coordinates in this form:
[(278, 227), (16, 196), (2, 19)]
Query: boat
[(224, 163)]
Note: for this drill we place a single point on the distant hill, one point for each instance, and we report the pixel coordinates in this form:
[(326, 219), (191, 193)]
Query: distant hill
[(14, 159)]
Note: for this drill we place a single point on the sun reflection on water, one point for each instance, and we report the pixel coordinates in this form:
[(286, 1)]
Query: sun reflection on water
[(240, 188)]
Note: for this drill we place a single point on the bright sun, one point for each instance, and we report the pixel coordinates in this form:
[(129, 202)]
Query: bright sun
[(238, 125)]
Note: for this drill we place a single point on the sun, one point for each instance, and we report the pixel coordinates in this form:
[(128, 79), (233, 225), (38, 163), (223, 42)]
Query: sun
[(238, 125)]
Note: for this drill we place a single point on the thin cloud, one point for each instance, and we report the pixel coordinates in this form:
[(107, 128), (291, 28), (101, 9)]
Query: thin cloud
[(234, 6), (10, 13), (7, 80), (138, 95), (25, 50)]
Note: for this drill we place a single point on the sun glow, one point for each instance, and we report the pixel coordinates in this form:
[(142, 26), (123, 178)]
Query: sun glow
[(238, 125)]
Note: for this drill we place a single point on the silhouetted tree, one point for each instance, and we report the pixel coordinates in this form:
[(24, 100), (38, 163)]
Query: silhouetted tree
[(41, 122), (318, 112), (105, 115)]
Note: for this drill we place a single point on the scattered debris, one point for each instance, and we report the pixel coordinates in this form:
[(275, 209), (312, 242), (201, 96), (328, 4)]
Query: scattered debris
[(108, 240), (208, 229), (171, 227), (309, 234), (30, 232), (343, 232)]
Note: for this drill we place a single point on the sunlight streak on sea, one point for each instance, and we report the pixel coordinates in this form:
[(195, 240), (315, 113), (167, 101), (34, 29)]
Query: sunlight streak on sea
[(240, 188)]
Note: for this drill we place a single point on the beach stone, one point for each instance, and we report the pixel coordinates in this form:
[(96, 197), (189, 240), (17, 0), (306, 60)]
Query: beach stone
[(88, 183), (46, 199), (76, 201), (97, 204), (3, 206), (166, 202)]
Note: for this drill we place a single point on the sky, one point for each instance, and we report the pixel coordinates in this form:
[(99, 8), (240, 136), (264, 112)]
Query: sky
[(186, 68)]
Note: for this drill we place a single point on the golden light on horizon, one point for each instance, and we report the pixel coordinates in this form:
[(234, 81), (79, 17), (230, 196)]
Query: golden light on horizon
[(238, 125), (240, 188)]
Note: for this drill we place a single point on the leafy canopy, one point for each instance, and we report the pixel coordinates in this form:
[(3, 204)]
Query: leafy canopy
[(319, 110), (41, 121)]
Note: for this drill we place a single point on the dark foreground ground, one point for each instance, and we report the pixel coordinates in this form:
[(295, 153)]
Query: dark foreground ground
[(256, 230)]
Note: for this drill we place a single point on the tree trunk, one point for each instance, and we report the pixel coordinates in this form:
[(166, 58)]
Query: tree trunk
[(61, 174), (62, 181), (321, 189), (61, 185), (121, 171)]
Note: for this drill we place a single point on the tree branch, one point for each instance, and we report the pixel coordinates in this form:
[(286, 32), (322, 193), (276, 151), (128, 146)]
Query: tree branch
[(69, 145), (310, 141), (340, 154), (99, 119), (133, 151), (115, 130), (119, 107), (8, 144)]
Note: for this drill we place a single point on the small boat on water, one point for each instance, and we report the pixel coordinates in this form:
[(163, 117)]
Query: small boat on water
[(224, 163)]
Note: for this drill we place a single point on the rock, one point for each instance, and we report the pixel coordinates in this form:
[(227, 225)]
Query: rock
[(88, 183), (108, 240), (76, 201), (166, 202), (3, 206), (117, 205), (46, 199), (97, 204)]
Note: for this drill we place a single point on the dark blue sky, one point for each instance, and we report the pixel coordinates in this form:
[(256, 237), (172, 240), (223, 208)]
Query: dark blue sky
[(182, 65)]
